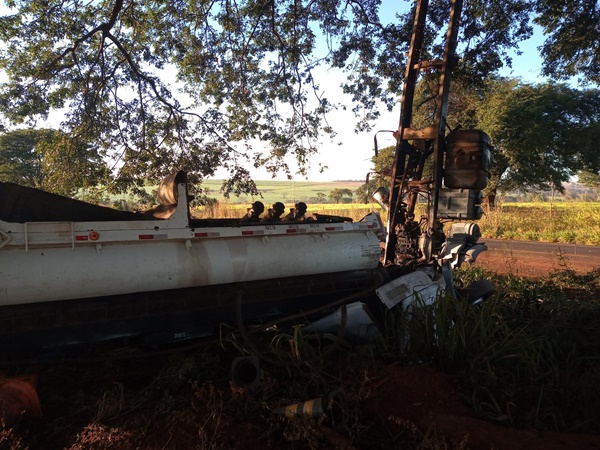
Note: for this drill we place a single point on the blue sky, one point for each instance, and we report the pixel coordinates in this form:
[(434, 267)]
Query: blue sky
[(528, 65)]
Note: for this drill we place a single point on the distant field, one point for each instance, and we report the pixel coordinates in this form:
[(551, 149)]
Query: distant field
[(288, 192)]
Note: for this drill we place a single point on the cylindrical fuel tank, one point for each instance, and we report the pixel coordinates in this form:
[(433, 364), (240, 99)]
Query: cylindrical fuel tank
[(470, 231), (382, 197), (62, 273), (467, 159)]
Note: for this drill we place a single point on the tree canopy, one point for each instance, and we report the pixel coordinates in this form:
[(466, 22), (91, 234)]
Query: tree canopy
[(199, 85), (337, 195), (48, 159), (572, 45), (589, 179), (19, 161), (542, 134)]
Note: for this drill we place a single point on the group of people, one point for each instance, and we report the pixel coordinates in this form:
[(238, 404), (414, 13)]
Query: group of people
[(274, 214)]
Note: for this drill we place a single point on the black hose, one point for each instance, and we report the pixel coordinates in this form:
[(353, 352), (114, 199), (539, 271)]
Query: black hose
[(260, 354)]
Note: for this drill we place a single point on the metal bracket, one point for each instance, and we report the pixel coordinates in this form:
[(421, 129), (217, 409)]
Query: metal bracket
[(6, 238)]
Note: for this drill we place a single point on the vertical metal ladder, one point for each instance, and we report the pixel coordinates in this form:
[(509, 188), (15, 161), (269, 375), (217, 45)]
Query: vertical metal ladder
[(411, 243)]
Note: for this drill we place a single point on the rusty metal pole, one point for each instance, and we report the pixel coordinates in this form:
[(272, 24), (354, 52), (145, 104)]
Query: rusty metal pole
[(396, 214), (403, 173), (442, 109)]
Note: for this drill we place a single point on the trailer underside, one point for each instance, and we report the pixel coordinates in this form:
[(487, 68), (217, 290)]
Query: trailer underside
[(52, 329)]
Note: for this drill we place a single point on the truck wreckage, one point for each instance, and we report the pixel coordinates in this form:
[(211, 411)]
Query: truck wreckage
[(74, 274)]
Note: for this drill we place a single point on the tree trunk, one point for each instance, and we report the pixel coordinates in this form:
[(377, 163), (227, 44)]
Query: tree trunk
[(489, 200)]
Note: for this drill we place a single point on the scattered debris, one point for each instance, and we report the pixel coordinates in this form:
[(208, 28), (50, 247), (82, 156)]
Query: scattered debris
[(18, 398), (332, 405)]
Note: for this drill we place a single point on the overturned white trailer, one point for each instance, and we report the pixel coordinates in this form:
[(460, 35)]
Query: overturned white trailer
[(71, 272)]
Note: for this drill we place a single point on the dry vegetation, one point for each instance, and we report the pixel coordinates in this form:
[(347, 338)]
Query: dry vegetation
[(564, 220), (528, 359), (571, 222)]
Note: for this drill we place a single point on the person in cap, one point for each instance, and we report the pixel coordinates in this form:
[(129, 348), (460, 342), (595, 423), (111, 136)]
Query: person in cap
[(274, 214), (254, 212), (297, 213)]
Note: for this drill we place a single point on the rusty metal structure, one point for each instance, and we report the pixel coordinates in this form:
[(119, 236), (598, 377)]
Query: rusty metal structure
[(460, 160)]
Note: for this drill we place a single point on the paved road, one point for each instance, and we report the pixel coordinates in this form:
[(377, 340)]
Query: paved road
[(537, 258)]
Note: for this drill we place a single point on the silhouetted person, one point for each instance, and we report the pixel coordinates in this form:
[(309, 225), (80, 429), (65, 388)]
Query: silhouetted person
[(253, 214), (297, 213), (274, 214)]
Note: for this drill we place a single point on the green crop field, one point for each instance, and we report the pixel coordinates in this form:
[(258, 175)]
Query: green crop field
[(287, 192)]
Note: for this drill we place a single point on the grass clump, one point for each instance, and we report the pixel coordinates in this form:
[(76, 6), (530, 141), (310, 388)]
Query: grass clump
[(528, 355)]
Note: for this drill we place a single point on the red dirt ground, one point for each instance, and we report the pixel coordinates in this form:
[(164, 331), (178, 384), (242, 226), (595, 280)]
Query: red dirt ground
[(92, 407), (532, 265), (143, 405), (431, 400)]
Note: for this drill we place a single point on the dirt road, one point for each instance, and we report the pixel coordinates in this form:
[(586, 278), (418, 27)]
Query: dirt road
[(527, 258)]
